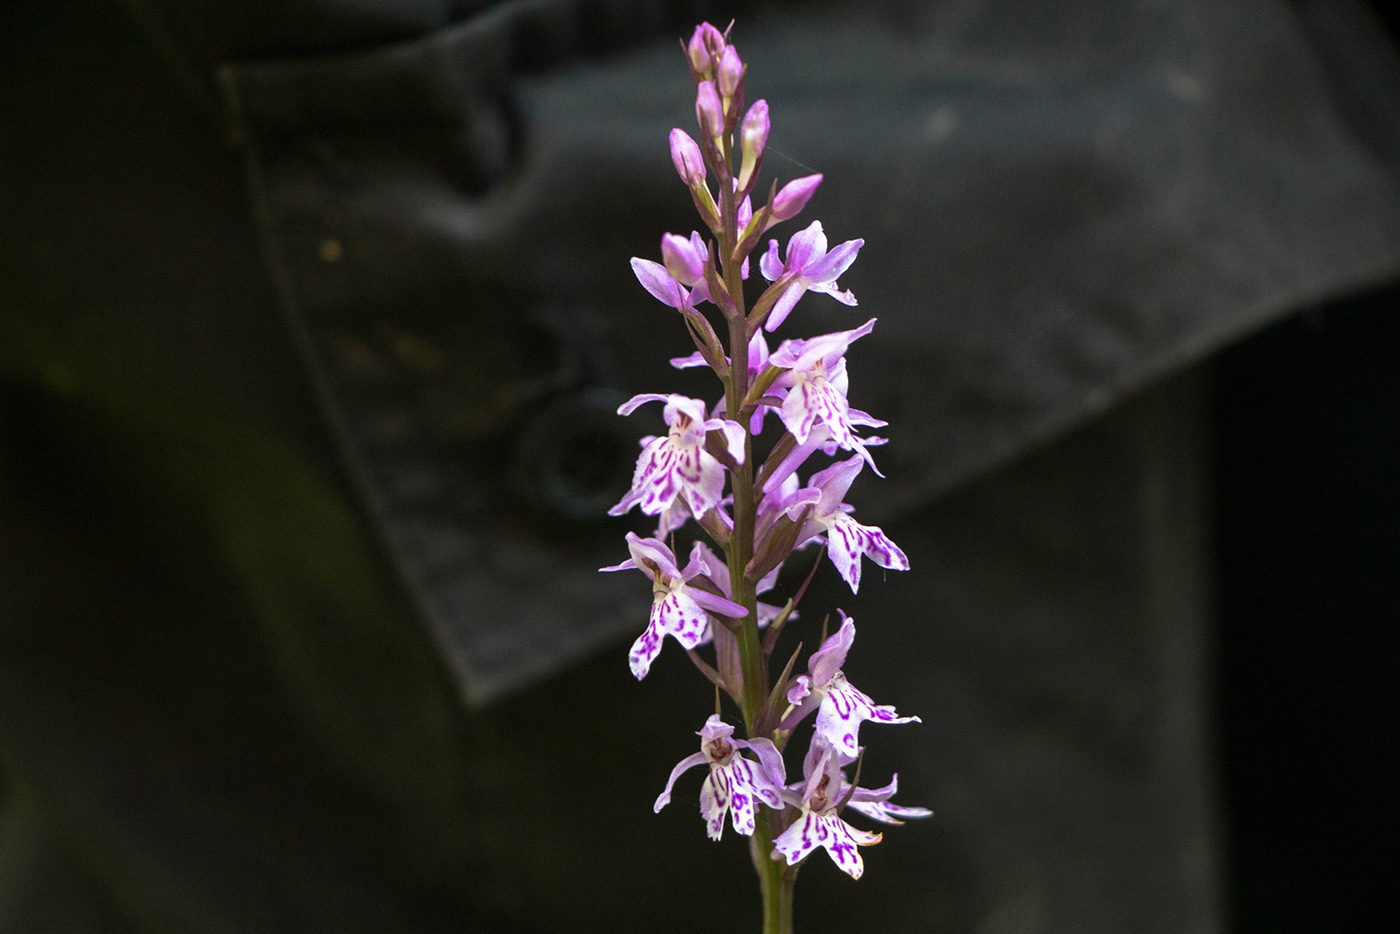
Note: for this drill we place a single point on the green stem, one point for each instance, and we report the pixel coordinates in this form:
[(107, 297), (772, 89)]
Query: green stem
[(745, 505), (775, 881)]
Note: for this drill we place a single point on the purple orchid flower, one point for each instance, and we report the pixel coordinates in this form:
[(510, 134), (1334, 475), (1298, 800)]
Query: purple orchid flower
[(819, 823), (840, 706), (816, 385), (677, 609), (678, 465), (807, 265), (819, 796), (846, 538), (734, 782)]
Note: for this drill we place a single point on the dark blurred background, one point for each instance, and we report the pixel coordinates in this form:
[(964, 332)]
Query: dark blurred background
[(1306, 434)]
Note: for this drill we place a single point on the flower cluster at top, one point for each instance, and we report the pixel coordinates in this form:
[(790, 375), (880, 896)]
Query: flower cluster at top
[(757, 512)]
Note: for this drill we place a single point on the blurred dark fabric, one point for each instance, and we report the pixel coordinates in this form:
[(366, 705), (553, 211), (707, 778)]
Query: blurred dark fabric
[(312, 318)]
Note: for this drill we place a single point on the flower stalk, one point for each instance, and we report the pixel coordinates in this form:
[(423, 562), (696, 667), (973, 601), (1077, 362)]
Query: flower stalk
[(768, 513)]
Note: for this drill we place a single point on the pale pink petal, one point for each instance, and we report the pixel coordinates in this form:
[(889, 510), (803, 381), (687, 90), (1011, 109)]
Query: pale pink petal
[(717, 605), (793, 197), (715, 728), (770, 774), (799, 690), (656, 280), (637, 401), (804, 247), (826, 661), (684, 363), (734, 436), (783, 306), (769, 264), (689, 762), (653, 551), (889, 813), (834, 482), (825, 268)]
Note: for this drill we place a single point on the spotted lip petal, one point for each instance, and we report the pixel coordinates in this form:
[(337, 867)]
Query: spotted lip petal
[(675, 615), (847, 540), (842, 711), (838, 838), (714, 801)]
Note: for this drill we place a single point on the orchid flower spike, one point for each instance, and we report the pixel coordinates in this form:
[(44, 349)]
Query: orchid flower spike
[(677, 609), (840, 706), (734, 781)]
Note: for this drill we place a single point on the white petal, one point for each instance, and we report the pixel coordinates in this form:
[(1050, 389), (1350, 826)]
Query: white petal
[(714, 802), (644, 651), (799, 839)]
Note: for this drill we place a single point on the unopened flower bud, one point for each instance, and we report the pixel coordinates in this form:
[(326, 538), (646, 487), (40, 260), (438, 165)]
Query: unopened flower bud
[(793, 197), (685, 155), (753, 137), (730, 72), (704, 50), (682, 259), (708, 111)]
